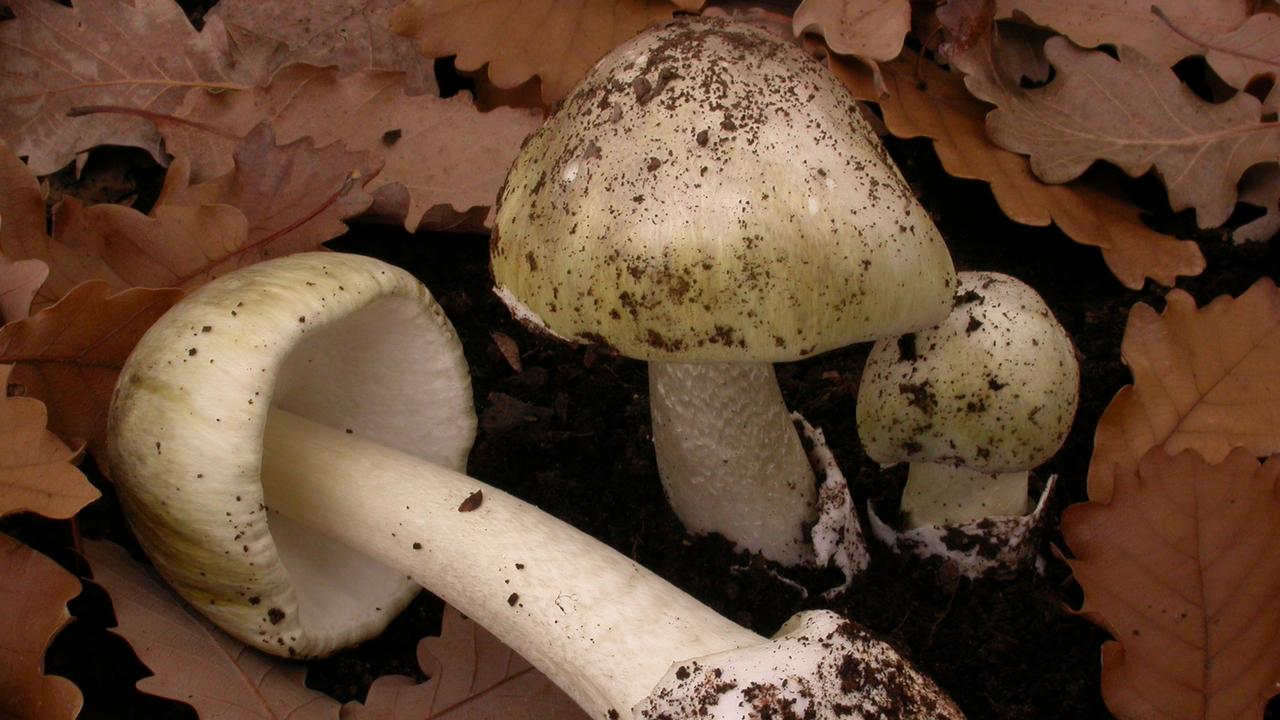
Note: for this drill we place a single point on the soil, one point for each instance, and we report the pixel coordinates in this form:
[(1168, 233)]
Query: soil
[(570, 433)]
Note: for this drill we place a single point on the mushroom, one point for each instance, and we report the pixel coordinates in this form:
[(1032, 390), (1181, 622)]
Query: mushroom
[(709, 199), (973, 404), (287, 444)]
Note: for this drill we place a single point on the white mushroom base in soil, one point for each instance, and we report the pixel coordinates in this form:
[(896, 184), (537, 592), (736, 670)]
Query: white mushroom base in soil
[(984, 547), (728, 449)]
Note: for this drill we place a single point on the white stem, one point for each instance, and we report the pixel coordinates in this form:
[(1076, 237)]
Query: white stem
[(938, 494), (729, 456), (599, 625)]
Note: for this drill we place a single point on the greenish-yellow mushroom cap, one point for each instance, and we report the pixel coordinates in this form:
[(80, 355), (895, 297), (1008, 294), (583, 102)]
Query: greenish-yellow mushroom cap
[(709, 193)]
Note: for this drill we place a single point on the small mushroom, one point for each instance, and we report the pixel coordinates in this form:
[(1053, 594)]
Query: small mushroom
[(709, 199), (972, 404), (297, 478)]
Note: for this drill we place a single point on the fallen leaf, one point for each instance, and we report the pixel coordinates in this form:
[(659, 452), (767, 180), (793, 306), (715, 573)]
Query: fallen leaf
[(442, 152), (966, 22), (941, 109), (1261, 187), (34, 592), (1245, 53), (36, 471), (868, 29), (192, 660), (472, 676), (276, 200), (70, 354), (1203, 379), (1182, 567), (353, 35), (555, 40), (510, 351), (99, 52), (22, 221), (1091, 23), (1133, 113)]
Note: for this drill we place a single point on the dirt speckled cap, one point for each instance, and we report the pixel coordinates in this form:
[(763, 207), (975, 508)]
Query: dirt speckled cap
[(711, 193)]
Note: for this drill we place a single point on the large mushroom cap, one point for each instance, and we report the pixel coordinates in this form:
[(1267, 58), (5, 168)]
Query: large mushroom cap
[(993, 388), (344, 340), (711, 193)]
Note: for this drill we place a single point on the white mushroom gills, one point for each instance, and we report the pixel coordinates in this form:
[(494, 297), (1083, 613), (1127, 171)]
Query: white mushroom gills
[(710, 195), (972, 404), (332, 390)]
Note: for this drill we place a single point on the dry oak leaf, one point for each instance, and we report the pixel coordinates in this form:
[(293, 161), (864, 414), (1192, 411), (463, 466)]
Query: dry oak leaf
[(70, 354), (473, 676), (554, 40), (36, 474), (1182, 567), (276, 200), (1247, 52), (441, 152), (353, 35), (868, 29), (941, 109), (1205, 379), (34, 592), (1261, 187), (1130, 22), (142, 54), (1135, 114), (22, 220), (193, 661)]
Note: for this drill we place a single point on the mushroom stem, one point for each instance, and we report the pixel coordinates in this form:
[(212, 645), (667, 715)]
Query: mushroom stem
[(941, 494), (730, 458), (596, 623)]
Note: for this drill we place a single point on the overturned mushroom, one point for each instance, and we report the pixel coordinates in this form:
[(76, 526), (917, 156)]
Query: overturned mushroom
[(286, 443), (710, 200), (972, 404)]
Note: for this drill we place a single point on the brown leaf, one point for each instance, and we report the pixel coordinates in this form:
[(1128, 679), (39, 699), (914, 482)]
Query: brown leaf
[(1247, 52), (1203, 379), (104, 52), (1261, 187), (442, 151), (192, 660), (868, 29), (1130, 22), (966, 22), (510, 351), (473, 677), (1133, 113), (70, 354), (944, 111), (352, 35), (276, 200), (555, 40), (1182, 567), (33, 606), (22, 221), (36, 474)]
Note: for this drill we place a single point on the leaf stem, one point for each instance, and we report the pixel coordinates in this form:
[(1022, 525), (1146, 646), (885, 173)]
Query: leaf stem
[(155, 117)]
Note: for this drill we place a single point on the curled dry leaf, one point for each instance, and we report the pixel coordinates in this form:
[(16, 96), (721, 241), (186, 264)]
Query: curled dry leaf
[(472, 675), (1182, 567), (868, 29), (442, 151), (941, 109), (1203, 379), (1130, 22), (33, 606), (966, 22), (275, 200), (1133, 113), (69, 355), (100, 52), (509, 349), (192, 660), (36, 474), (352, 35), (22, 221), (554, 40)]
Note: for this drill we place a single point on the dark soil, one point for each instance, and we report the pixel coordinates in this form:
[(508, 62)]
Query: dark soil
[(570, 433)]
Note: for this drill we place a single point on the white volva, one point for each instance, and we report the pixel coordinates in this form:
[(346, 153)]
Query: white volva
[(709, 194), (287, 443)]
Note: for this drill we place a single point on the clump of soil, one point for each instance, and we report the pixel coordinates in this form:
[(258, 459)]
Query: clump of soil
[(570, 433)]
